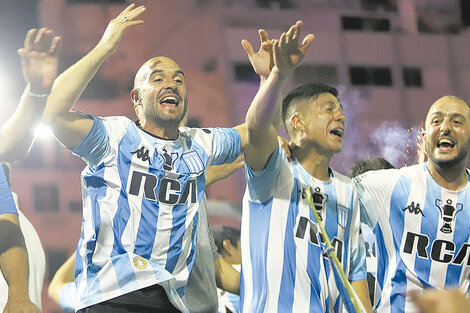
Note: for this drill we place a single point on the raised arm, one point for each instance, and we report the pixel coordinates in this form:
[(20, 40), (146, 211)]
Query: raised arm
[(263, 116), (39, 66), (70, 127)]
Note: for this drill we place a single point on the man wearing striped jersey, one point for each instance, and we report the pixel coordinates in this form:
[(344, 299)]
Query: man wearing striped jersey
[(420, 214), (283, 265), (143, 184)]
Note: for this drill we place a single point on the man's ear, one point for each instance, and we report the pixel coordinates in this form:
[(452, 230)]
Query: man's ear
[(297, 122), (227, 246), (135, 96)]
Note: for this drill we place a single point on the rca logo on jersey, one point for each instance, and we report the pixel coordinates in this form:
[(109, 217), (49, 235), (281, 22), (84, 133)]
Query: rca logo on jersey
[(442, 251), (316, 238), (448, 213), (412, 208), (169, 191)]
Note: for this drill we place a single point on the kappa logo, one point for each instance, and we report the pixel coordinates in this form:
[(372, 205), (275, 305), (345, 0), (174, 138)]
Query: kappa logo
[(414, 208), (448, 213), (142, 153)]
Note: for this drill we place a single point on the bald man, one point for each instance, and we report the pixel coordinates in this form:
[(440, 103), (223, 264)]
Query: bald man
[(143, 188), (420, 214)]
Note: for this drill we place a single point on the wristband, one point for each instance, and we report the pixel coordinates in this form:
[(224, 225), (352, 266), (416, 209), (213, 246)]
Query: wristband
[(36, 95)]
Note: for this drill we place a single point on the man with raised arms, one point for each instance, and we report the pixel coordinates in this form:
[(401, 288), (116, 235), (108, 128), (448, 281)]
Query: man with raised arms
[(143, 184), (283, 265)]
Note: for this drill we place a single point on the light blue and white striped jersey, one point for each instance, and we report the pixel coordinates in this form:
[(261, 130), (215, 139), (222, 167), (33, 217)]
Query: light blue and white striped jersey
[(141, 196), (422, 232), (228, 302), (7, 203), (283, 266)]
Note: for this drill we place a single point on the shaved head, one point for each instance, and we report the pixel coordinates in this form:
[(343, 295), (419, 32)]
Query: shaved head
[(463, 106), (146, 69)]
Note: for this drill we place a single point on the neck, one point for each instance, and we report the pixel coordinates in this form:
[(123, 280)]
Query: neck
[(452, 178), (316, 164), (170, 132)]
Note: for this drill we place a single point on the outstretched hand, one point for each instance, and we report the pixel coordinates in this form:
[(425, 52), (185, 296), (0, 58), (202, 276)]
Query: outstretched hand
[(288, 54), (261, 61), (113, 33), (39, 59)]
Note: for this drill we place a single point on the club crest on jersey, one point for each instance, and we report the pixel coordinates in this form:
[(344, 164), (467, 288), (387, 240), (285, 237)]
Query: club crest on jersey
[(193, 162), (168, 159), (342, 215), (448, 213)]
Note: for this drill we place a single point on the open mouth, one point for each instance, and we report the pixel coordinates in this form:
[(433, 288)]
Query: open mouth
[(445, 143), (338, 132), (170, 101)]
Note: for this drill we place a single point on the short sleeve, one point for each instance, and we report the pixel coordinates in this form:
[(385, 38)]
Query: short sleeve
[(262, 186), (7, 204), (226, 145), (372, 188), (94, 147)]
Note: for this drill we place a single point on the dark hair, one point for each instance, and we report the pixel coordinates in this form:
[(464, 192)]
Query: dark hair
[(369, 164), (306, 91), (221, 233)]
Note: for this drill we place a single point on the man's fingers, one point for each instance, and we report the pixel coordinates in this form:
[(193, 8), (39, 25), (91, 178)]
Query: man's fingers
[(306, 42), (45, 42), (263, 35), (126, 10), (29, 39), (248, 48), (54, 48)]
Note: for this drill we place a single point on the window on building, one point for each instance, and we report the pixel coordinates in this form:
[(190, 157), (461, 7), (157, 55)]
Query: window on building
[(365, 23), (46, 198), (326, 74), (245, 73), (370, 76), (75, 206), (54, 259), (412, 77)]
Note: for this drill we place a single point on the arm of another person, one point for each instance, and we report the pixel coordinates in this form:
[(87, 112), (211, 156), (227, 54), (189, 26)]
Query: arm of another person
[(226, 277), (64, 275), (70, 127), (14, 265), (39, 65), (362, 290), (263, 116)]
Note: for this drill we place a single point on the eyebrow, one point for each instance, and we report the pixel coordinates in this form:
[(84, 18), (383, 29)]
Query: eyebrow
[(178, 72), (439, 113)]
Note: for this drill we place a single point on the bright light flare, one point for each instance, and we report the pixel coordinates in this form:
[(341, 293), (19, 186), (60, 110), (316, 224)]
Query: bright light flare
[(42, 131), (420, 145)]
